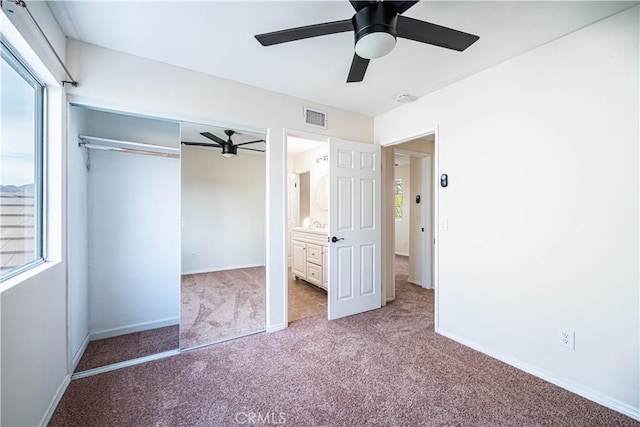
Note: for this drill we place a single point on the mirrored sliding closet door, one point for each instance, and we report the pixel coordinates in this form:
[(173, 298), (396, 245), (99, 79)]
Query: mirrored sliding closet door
[(223, 210)]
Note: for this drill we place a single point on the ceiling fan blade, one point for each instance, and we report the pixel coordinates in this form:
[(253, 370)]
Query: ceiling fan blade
[(402, 6), (358, 68), (250, 142), (357, 5), (213, 138), (426, 32), (201, 144), (299, 33), (251, 149)]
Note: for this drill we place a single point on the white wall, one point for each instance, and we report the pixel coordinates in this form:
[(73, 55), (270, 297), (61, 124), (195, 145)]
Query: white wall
[(542, 208), (133, 228), (223, 210), (132, 128), (416, 222), (128, 83), (33, 341), (305, 196), (306, 161), (78, 274), (402, 226)]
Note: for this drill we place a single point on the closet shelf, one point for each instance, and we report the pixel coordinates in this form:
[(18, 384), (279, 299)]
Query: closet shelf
[(94, 142)]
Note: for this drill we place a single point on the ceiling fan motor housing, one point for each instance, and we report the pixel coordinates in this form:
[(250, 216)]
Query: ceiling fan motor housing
[(229, 150), (375, 30)]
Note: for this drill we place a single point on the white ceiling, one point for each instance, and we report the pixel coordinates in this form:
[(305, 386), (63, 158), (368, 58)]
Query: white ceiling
[(216, 37)]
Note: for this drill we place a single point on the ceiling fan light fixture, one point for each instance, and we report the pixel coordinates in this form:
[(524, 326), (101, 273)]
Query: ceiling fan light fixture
[(376, 25), (375, 30), (229, 150), (375, 45)]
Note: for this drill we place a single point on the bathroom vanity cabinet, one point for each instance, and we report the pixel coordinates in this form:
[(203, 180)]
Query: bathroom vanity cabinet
[(309, 255)]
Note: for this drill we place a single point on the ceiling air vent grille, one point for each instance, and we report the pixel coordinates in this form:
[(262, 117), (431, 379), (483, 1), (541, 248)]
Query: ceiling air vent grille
[(315, 118)]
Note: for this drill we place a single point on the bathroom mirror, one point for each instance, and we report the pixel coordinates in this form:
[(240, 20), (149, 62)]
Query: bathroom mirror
[(223, 210), (322, 193)]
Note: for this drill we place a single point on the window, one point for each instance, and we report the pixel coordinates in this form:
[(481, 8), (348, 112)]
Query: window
[(398, 198), (21, 165)]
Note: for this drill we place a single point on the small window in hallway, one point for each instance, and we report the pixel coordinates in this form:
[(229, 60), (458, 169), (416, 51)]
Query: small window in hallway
[(398, 198)]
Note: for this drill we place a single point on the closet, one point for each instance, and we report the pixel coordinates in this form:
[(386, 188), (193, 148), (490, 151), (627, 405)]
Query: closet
[(166, 242), (124, 236)]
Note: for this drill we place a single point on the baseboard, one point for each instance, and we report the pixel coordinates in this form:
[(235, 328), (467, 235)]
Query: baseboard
[(137, 327), (213, 270), (414, 281), (592, 395), (402, 254), (276, 328), (54, 402), (80, 352)]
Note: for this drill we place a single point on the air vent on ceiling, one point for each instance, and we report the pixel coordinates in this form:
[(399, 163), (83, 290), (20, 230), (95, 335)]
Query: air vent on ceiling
[(315, 118)]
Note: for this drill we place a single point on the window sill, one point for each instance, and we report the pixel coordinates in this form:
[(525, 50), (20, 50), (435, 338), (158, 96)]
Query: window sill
[(27, 275)]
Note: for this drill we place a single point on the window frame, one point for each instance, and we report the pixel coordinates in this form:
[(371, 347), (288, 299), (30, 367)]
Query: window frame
[(19, 65)]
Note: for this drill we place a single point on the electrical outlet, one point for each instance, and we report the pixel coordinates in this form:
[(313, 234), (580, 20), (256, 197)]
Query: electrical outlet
[(567, 339)]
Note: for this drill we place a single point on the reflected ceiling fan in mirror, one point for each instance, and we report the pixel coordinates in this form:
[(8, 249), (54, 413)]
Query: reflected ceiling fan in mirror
[(376, 25), (229, 149)]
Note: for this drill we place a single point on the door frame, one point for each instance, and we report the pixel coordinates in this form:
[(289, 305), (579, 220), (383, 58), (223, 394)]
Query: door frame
[(389, 246)]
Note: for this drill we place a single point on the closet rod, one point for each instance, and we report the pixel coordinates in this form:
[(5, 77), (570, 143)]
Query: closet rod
[(92, 142), (129, 150)]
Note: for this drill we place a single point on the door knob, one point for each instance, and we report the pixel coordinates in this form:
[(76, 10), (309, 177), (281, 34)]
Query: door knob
[(335, 239)]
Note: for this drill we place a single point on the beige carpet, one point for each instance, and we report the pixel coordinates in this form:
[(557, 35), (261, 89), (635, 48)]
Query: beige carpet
[(126, 347), (402, 268), (384, 367), (221, 305)]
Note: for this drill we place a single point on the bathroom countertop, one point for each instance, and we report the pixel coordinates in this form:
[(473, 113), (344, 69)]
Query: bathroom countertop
[(323, 231)]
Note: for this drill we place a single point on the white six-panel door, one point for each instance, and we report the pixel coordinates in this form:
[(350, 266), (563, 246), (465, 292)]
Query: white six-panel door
[(354, 221)]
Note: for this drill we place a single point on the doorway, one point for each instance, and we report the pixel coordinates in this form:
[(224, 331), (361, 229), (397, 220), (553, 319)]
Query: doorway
[(410, 209), (339, 248), (307, 225)]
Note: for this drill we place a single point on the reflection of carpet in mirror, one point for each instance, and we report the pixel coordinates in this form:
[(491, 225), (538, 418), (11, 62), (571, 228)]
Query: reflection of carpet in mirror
[(130, 346), (221, 305)]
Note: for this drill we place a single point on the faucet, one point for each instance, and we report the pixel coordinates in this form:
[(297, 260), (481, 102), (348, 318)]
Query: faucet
[(317, 224)]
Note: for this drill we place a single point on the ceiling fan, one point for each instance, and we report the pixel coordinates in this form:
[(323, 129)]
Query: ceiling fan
[(376, 25), (229, 149)]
